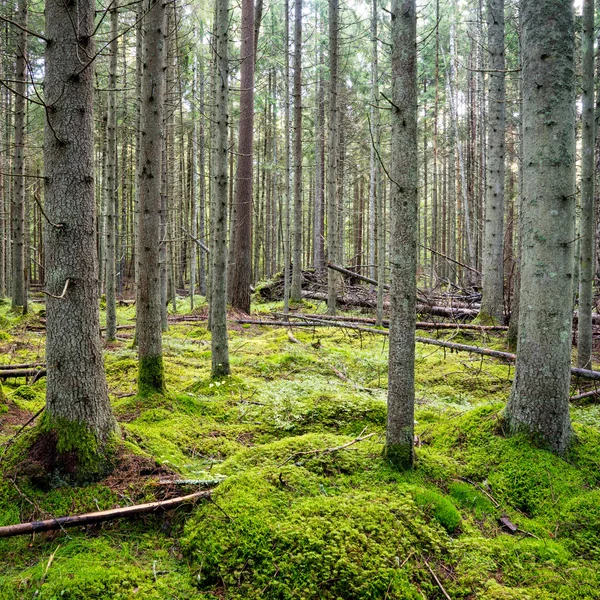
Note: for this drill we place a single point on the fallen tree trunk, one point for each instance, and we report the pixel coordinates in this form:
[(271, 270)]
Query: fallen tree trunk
[(420, 324), (354, 275), (508, 356), (99, 517), (7, 374), (22, 366)]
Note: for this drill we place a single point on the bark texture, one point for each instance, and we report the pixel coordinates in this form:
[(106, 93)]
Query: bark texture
[(149, 331), (588, 211), (241, 272), (332, 149), (19, 287), (296, 288), (492, 302), (111, 180), (403, 244), (77, 406), (539, 401), (220, 347)]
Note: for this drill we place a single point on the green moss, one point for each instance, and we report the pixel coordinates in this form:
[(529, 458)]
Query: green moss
[(400, 456), (440, 507), (80, 456), (151, 375)]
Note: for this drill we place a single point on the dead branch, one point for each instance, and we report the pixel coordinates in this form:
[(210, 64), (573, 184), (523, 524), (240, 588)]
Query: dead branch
[(63, 292), (99, 517), (8, 373), (359, 438)]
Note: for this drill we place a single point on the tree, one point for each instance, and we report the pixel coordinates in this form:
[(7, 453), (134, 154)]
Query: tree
[(78, 412), (111, 179), (539, 401), (588, 209), (241, 273), (296, 288), (19, 287), (492, 301), (151, 377), (403, 239), (218, 305), (332, 150)]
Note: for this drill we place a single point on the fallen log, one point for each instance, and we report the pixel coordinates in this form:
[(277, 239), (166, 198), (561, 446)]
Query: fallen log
[(354, 275), (420, 324), (98, 517), (8, 373), (22, 366), (508, 356)]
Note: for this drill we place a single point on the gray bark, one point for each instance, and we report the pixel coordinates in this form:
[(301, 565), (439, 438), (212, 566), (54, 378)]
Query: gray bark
[(149, 333), (539, 401), (19, 288), (403, 247), (111, 180), (219, 344), (76, 390), (492, 302), (332, 149), (319, 220), (588, 211), (296, 288)]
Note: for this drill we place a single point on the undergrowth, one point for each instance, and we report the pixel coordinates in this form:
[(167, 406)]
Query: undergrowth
[(291, 519)]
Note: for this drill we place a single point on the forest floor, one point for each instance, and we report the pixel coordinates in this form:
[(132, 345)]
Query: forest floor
[(282, 524)]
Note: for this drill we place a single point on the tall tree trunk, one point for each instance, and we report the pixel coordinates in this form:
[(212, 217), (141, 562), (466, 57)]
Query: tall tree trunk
[(286, 227), (374, 112), (296, 289), (151, 377), (492, 301), (539, 401), (332, 149), (241, 272), (588, 212), (403, 292), (219, 344), (319, 214), (77, 405), (19, 288), (111, 179)]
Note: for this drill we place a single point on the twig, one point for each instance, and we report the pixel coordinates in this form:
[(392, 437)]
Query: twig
[(437, 580), (98, 517), (63, 292), (329, 450)]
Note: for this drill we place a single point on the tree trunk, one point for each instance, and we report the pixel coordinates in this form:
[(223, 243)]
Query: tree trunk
[(296, 288), (219, 344), (539, 401), (241, 272), (77, 405), (492, 302), (319, 215), (151, 377), (111, 179), (588, 212), (332, 149), (19, 288), (403, 250)]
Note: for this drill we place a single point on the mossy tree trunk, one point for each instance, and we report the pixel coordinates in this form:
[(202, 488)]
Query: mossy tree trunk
[(539, 401), (220, 344), (78, 411), (588, 210), (403, 239), (149, 332), (492, 301)]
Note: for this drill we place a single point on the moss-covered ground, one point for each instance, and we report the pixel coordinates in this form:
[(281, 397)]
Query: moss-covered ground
[(287, 522)]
